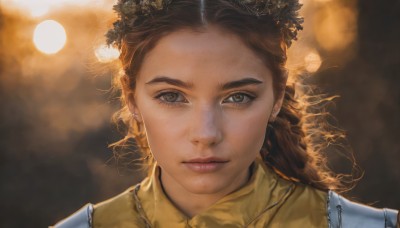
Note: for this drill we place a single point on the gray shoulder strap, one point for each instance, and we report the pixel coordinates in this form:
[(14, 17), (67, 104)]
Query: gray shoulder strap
[(343, 213), (80, 219)]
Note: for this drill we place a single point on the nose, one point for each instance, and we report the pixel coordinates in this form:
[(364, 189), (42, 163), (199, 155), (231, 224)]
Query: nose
[(205, 128)]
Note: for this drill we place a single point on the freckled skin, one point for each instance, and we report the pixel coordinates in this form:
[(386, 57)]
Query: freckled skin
[(204, 121)]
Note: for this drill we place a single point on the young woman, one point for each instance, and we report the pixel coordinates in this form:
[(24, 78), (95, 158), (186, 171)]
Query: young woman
[(225, 140)]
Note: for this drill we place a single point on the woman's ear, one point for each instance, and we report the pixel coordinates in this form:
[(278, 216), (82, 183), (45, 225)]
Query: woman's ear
[(129, 95), (131, 103), (133, 109), (279, 100), (277, 107)]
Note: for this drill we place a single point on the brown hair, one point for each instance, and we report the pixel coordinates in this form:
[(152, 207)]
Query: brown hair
[(293, 142)]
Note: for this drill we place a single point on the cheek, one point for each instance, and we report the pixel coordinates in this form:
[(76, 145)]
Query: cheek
[(247, 131), (161, 126)]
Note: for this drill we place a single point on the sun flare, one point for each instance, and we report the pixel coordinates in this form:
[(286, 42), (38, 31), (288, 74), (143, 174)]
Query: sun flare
[(106, 54), (39, 8), (313, 62), (49, 37)]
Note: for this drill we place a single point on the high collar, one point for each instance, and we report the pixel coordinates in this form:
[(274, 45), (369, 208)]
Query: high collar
[(263, 192)]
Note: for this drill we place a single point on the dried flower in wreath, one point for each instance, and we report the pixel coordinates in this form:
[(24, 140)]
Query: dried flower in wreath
[(285, 13)]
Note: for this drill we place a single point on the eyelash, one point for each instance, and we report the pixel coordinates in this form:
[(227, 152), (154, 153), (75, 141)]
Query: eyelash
[(162, 94), (247, 95)]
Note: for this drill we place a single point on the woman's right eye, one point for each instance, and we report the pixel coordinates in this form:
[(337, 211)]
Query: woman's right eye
[(171, 98)]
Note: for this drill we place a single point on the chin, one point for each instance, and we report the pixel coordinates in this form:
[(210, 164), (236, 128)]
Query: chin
[(205, 186)]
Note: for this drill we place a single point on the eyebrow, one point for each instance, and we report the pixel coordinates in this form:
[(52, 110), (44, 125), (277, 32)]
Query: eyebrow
[(171, 81), (241, 83), (226, 86)]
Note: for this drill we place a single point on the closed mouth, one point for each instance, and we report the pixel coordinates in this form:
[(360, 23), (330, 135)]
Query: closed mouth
[(207, 160)]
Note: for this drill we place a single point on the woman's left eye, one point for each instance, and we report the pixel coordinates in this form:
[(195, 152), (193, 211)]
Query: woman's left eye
[(171, 98), (239, 98)]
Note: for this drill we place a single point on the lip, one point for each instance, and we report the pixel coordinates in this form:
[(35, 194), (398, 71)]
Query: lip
[(206, 160), (205, 165)]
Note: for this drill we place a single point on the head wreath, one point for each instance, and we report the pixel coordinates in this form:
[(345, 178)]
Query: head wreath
[(285, 13)]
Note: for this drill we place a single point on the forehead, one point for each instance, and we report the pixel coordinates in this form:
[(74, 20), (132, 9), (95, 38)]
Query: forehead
[(192, 54)]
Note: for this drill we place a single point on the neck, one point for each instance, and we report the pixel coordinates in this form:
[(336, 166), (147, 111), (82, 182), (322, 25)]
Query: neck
[(190, 203)]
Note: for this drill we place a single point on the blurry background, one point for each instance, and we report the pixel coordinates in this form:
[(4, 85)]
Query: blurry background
[(56, 107)]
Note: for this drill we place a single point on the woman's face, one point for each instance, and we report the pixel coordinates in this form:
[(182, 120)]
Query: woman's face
[(204, 99)]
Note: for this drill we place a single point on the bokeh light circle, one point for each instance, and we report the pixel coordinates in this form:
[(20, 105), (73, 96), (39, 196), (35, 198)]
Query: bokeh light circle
[(106, 53), (49, 37), (313, 62)]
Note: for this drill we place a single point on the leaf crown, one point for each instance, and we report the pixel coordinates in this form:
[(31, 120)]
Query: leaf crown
[(285, 13)]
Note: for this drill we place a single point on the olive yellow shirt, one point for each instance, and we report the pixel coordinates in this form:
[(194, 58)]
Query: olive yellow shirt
[(266, 200)]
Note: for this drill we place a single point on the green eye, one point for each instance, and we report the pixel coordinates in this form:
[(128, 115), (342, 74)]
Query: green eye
[(240, 98), (171, 97)]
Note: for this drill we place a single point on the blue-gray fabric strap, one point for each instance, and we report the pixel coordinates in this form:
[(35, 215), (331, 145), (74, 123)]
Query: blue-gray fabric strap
[(343, 213), (80, 219)]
